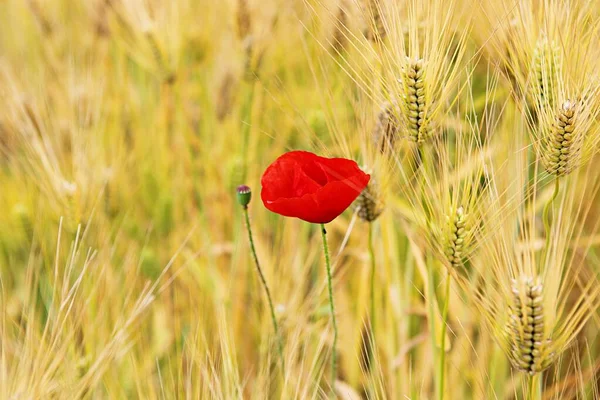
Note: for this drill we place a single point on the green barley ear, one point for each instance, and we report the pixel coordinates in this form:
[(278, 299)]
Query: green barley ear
[(546, 69), (561, 148), (530, 346), (415, 100), (457, 237), (369, 204), (386, 129)]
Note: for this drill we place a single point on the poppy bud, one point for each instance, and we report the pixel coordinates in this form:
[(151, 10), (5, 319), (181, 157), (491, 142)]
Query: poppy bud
[(244, 194)]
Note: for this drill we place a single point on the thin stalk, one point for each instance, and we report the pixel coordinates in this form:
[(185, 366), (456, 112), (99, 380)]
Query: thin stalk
[(246, 126), (267, 291), (331, 306), (442, 371), (420, 162), (431, 316), (546, 216), (372, 259), (431, 296), (535, 387)]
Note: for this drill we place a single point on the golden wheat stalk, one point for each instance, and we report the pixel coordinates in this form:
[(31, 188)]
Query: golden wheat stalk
[(547, 51), (536, 298), (449, 199), (415, 68)]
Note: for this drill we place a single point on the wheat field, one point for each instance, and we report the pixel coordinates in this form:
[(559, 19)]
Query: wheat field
[(468, 268)]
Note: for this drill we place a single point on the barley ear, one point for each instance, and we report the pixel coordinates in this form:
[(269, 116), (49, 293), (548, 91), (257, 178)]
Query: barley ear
[(456, 235), (415, 107), (546, 70), (376, 30), (243, 20), (530, 346), (561, 148), (386, 129), (368, 204)]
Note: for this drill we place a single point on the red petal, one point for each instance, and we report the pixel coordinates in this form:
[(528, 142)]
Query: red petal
[(316, 189), (285, 178)]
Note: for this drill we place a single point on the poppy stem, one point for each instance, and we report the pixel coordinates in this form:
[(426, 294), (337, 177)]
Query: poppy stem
[(266, 288), (246, 127), (331, 306)]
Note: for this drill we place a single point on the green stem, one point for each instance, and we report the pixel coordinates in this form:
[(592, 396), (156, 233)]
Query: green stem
[(442, 371), (535, 387), (546, 217), (420, 157), (246, 126), (331, 306), (372, 259), (431, 316), (267, 291)]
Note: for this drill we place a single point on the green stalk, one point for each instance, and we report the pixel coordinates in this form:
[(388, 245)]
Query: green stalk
[(372, 258), (442, 371), (246, 126), (331, 306), (546, 216), (535, 387), (431, 296), (431, 316), (267, 291)]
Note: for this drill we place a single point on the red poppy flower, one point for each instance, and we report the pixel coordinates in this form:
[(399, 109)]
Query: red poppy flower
[(315, 189)]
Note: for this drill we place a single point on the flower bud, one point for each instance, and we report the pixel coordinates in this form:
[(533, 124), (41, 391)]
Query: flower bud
[(244, 194)]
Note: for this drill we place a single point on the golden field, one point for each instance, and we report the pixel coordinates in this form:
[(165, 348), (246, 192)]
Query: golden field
[(467, 269)]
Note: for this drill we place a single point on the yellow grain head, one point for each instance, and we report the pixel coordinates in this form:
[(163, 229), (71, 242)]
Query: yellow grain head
[(562, 144), (416, 101), (530, 345), (387, 128), (369, 204), (546, 67)]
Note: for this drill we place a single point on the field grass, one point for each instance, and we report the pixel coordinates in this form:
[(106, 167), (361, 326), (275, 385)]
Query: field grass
[(125, 267)]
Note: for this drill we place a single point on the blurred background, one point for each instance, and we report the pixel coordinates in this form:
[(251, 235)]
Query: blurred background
[(125, 128)]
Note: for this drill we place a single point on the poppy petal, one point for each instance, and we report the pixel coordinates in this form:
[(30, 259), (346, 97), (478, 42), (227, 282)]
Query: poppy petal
[(315, 189)]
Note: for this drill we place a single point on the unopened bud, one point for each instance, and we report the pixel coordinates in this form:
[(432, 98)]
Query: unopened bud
[(244, 194)]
